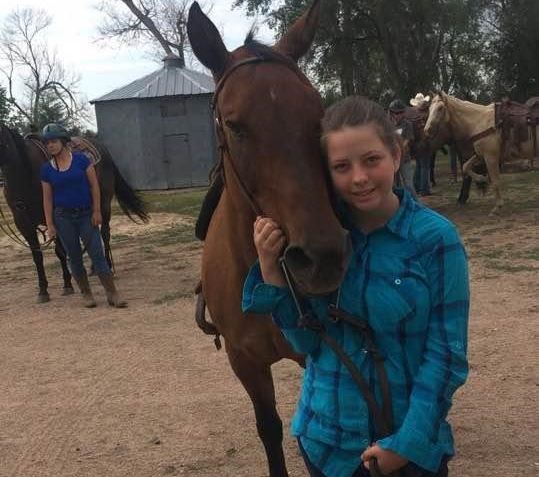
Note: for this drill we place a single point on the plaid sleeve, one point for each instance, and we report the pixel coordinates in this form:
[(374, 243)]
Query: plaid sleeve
[(444, 366), (262, 298)]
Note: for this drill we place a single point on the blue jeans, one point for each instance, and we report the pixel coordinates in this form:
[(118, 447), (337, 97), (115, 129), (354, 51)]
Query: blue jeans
[(422, 174), (74, 225), (411, 470), (407, 175), (314, 472)]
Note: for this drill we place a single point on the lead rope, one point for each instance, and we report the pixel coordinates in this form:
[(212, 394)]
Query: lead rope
[(383, 420), (14, 235)]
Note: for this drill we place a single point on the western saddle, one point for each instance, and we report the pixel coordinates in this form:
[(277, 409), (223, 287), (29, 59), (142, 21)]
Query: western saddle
[(518, 123)]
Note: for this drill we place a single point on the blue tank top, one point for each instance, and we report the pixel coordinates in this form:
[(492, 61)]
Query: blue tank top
[(70, 188)]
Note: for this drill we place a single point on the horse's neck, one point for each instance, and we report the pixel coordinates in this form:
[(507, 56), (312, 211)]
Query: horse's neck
[(238, 222), (23, 180), (468, 119)]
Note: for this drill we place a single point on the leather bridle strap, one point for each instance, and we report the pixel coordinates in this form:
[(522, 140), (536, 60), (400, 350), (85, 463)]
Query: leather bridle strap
[(234, 67), (383, 418), (482, 134), (223, 147)]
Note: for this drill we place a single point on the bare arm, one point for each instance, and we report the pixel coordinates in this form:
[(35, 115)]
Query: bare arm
[(96, 195), (47, 208)]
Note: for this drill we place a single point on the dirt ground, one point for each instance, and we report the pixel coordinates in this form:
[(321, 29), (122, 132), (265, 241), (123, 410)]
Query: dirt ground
[(142, 392)]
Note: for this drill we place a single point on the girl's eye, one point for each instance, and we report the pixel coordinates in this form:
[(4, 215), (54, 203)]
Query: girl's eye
[(341, 167), (372, 159)]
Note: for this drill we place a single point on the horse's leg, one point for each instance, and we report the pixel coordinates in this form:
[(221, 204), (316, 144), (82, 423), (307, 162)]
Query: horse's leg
[(432, 164), (465, 190), (258, 382), (30, 235), (467, 169), (494, 174), (66, 275), (105, 232), (43, 296)]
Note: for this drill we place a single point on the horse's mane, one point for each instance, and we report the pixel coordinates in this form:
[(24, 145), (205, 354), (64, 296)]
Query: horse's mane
[(18, 140), (478, 108), (261, 50)]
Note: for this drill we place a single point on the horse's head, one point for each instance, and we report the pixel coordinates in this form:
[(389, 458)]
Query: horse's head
[(437, 119), (268, 122)]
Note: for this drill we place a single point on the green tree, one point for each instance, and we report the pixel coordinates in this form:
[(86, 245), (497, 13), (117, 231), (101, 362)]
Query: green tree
[(388, 48), (4, 106), (514, 59)]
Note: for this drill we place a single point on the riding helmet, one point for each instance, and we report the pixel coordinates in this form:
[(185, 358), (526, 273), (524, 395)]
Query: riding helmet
[(55, 131)]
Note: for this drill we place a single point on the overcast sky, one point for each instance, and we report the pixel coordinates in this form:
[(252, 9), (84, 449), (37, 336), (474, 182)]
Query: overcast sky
[(103, 67)]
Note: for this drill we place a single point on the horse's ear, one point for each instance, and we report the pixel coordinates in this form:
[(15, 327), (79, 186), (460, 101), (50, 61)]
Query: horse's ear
[(297, 40), (206, 41)]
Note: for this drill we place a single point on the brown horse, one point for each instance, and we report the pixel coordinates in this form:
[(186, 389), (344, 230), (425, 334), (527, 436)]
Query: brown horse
[(268, 121), (20, 162)]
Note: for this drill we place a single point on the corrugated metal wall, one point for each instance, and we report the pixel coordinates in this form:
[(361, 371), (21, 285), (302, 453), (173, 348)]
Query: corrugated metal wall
[(159, 143)]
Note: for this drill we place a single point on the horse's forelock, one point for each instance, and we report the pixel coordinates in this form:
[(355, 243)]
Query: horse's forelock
[(259, 49)]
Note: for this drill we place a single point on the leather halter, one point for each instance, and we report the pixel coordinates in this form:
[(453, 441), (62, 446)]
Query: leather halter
[(223, 146)]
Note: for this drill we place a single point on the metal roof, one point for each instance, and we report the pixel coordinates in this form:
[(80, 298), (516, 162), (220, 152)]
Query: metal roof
[(171, 80)]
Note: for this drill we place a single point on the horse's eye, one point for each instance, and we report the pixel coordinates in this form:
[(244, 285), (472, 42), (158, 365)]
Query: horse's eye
[(235, 128)]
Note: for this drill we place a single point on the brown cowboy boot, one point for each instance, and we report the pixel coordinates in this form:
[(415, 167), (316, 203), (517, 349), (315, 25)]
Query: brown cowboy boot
[(87, 297), (113, 296)]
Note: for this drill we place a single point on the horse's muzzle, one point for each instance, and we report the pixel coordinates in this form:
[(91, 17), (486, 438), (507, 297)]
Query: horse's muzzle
[(318, 268)]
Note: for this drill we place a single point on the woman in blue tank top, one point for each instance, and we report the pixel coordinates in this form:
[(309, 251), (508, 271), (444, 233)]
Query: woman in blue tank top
[(72, 205)]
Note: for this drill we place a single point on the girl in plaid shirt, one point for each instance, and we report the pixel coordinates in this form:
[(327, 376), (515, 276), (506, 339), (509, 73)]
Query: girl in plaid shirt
[(408, 278)]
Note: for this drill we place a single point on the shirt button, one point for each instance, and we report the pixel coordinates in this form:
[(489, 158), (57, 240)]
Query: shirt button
[(397, 281)]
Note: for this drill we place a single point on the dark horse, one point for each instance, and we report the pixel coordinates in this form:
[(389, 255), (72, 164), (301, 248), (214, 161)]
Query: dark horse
[(268, 116), (20, 162)]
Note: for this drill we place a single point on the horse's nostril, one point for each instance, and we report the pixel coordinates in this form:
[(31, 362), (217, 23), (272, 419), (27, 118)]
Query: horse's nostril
[(297, 259)]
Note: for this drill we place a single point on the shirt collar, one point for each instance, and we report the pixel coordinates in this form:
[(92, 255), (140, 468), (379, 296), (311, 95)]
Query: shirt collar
[(401, 221)]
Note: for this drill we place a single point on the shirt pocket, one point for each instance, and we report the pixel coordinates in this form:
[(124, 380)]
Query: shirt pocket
[(392, 301)]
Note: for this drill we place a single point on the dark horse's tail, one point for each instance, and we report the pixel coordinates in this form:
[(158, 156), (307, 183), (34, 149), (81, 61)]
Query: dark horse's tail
[(130, 201)]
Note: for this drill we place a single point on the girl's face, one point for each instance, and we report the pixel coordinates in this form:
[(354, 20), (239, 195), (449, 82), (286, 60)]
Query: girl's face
[(54, 146), (362, 167)]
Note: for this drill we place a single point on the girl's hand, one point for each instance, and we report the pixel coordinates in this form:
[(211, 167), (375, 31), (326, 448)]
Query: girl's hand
[(388, 461), (269, 241), (51, 232), (97, 220)]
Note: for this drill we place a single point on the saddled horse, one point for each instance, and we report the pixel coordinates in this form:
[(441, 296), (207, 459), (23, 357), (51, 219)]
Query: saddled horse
[(268, 125), (475, 124), (20, 161), (418, 115)]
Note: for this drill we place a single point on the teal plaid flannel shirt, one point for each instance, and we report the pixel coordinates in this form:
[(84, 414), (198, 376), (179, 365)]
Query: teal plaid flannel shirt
[(409, 280)]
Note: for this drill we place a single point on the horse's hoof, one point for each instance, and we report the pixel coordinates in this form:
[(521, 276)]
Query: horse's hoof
[(43, 298), (68, 291)]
